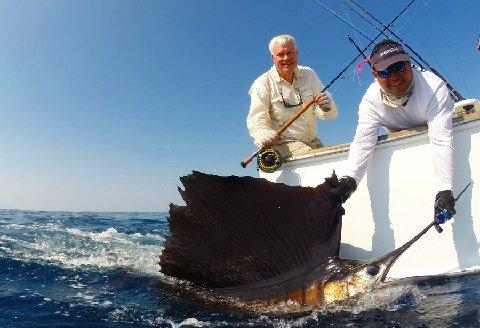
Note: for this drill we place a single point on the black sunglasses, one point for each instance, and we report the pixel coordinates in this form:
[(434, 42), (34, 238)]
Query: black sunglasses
[(394, 68), (287, 105)]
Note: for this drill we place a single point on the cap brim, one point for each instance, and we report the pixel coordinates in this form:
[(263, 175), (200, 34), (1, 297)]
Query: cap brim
[(381, 65)]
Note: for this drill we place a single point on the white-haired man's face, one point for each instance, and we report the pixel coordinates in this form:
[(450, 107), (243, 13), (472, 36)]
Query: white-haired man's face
[(285, 58)]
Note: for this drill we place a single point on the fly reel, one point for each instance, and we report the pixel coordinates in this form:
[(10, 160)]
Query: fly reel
[(269, 160)]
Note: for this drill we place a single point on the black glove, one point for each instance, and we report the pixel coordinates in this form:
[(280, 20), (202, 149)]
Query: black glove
[(346, 186), (444, 208), (444, 201)]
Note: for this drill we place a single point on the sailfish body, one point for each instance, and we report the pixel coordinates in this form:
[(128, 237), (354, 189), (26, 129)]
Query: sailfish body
[(316, 285), (262, 244)]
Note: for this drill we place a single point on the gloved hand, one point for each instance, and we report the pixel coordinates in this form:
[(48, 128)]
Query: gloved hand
[(346, 186), (444, 206), (324, 101)]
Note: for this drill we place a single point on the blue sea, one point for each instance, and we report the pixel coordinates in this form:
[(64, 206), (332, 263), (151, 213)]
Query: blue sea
[(86, 269)]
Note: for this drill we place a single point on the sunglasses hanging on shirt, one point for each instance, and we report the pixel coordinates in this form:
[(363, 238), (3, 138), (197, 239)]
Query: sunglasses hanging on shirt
[(288, 105)]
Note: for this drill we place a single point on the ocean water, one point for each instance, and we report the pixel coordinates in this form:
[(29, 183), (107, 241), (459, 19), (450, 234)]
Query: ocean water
[(60, 269)]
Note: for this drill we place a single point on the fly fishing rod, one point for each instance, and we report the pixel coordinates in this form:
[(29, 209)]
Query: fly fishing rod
[(278, 133), (456, 95)]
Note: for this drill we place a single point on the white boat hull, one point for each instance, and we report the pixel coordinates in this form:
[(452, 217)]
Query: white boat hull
[(394, 201)]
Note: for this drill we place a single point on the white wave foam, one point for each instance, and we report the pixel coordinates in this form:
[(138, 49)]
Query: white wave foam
[(189, 322), (384, 298), (111, 234), (74, 248)]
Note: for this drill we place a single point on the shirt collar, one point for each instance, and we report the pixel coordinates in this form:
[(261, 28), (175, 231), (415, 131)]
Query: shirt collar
[(277, 78)]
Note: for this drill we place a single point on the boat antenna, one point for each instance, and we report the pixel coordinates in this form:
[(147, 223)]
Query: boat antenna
[(248, 159), (455, 94)]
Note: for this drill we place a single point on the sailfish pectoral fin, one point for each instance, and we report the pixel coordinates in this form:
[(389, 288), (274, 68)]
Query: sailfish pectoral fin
[(314, 295)]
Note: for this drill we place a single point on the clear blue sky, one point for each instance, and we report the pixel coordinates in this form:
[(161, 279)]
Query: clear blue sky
[(104, 104)]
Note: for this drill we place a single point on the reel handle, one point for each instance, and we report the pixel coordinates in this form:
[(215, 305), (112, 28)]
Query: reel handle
[(248, 159)]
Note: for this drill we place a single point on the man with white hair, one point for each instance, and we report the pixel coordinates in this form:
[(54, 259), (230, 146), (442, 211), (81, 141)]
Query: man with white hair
[(279, 93)]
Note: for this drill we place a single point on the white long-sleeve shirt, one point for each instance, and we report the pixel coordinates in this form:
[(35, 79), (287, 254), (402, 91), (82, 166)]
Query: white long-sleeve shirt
[(268, 113), (429, 104)]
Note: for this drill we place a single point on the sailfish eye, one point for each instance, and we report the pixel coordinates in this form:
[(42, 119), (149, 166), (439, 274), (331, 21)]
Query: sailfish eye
[(373, 270)]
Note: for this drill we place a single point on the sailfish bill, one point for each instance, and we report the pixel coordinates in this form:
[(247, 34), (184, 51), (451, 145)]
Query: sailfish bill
[(256, 245)]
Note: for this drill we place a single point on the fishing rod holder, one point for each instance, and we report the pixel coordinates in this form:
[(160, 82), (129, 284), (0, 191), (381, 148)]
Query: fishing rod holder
[(468, 106)]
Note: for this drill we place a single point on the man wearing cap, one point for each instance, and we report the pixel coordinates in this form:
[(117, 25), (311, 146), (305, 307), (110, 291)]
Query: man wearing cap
[(401, 98)]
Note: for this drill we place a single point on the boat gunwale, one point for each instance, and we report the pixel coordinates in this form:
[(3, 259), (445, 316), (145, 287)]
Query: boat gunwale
[(462, 118)]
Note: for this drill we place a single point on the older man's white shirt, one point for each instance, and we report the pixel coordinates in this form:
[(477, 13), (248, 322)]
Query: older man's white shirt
[(268, 113)]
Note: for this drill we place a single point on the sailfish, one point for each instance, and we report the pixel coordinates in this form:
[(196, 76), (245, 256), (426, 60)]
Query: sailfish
[(254, 245)]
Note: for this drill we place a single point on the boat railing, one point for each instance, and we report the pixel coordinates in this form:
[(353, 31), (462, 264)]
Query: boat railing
[(467, 110)]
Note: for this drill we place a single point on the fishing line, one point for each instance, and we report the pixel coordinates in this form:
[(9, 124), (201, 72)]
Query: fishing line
[(364, 11), (358, 40), (418, 60), (449, 50), (426, 48), (342, 19), (369, 44), (454, 93), (363, 17), (339, 84), (348, 17), (381, 24), (415, 14)]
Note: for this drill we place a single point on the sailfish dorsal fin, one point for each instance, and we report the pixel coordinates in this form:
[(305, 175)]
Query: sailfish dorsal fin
[(237, 231)]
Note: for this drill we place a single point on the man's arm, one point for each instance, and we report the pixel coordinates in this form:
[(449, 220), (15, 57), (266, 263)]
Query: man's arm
[(361, 150), (439, 118), (364, 142), (440, 125), (258, 119)]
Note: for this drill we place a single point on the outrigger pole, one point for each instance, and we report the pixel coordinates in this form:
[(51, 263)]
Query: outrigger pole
[(248, 159), (455, 94), (359, 50)]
